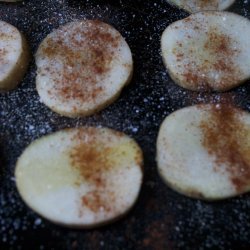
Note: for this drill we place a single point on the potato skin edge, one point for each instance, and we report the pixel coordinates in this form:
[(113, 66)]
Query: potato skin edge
[(18, 71)]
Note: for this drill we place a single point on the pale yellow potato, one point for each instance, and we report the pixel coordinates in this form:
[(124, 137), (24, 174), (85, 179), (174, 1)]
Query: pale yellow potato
[(82, 67), (14, 56), (203, 151), (83, 177), (208, 51)]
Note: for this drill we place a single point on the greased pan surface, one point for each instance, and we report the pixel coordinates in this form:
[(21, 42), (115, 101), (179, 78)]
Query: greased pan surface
[(161, 218)]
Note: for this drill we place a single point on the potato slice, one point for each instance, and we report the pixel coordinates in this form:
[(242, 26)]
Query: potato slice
[(203, 151), (82, 67), (14, 56), (81, 177), (208, 51), (200, 5)]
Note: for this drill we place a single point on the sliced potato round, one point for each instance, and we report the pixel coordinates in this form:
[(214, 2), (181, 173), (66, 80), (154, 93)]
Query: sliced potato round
[(203, 151), (82, 67), (208, 51), (200, 5), (81, 177), (14, 56)]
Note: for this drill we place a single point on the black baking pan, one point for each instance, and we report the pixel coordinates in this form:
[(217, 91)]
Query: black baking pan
[(161, 218)]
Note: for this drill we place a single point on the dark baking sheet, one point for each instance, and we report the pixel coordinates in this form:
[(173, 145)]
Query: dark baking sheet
[(161, 219)]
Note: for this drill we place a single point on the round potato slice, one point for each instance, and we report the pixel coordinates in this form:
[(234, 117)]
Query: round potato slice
[(82, 67), (208, 51), (14, 56), (200, 5), (82, 177), (203, 151)]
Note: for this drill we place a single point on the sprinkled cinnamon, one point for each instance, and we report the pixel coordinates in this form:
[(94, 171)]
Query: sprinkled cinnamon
[(216, 67), (226, 138), (94, 156), (92, 162), (95, 201), (86, 50), (202, 4), (3, 53)]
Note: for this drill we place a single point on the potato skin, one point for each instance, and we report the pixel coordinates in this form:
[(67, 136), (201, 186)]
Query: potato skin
[(19, 70), (186, 7)]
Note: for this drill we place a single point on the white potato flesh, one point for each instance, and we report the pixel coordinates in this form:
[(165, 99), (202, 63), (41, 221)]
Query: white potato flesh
[(13, 56), (208, 51), (200, 5), (203, 151), (82, 67), (82, 177)]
